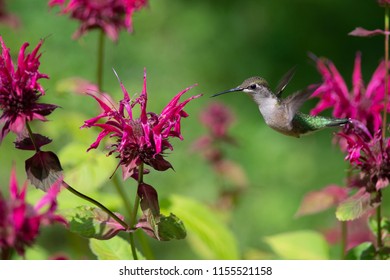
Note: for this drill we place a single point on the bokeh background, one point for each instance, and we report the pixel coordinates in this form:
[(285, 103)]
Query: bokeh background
[(215, 44)]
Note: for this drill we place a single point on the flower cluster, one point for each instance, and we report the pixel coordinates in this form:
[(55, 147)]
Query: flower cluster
[(362, 103), (371, 156), (143, 139), (20, 222), (108, 15), (217, 118), (20, 90)]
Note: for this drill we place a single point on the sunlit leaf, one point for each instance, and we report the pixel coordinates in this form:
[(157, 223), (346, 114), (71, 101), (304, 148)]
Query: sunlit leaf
[(299, 245), (114, 249), (86, 171), (208, 236), (43, 170), (92, 222), (385, 226), (354, 207)]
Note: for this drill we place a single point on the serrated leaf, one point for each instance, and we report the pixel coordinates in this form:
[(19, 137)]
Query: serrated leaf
[(299, 245), (86, 170), (208, 236), (354, 207), (43, 170), (171, 227), (364, 251), (91, 222), (113, 249)]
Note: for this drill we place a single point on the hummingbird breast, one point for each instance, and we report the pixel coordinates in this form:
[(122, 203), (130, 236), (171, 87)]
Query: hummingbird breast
[(276, 115)]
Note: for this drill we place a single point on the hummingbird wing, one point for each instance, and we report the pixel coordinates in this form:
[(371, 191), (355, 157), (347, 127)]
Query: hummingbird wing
[(284, 81), (295, 101)]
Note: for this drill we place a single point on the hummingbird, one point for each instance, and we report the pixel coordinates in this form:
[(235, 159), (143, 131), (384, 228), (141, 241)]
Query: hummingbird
[(281, 114)]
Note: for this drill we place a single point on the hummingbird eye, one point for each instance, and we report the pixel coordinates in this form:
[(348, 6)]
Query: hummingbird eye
[(253, 86)]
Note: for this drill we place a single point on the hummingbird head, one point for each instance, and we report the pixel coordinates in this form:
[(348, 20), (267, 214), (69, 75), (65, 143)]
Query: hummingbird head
[(252, 86)]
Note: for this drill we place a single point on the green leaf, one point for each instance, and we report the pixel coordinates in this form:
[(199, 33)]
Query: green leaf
[(91, 222), (364, 251), (113, 249), (299, 245), (171, 227), (87, 171), (354, 207), (208, 236), (385, 226)]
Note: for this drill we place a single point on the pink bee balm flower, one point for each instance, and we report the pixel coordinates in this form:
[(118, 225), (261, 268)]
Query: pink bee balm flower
[(384, 2), (20, 90), (20, 222), (362, 103), (370, 155), (217, 118), (143, 139), (108, 15)]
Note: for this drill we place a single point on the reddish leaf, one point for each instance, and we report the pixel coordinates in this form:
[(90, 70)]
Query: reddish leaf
[(159, 163), (149, 199), (43, 170), (26, 143), (358, 232), (317, 201)]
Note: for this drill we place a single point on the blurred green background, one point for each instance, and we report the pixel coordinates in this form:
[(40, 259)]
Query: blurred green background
[(215, 44)]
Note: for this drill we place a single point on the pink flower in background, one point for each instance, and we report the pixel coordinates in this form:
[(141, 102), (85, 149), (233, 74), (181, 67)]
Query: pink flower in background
[(217, 118), (108, 15), (362, 103), (7, 18), (143, 139), (20, 222), (384, 2), (20, 90)]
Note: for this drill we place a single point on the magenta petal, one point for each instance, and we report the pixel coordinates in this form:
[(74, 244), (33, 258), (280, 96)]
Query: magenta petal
[(361, 32), (357, 80)]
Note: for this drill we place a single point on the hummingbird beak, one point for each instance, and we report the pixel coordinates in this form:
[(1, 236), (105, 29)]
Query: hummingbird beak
[(227, 91)]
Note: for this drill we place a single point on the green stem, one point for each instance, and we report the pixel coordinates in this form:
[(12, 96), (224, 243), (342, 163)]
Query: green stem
[(122, 194), (344, 238), (146, 249), (97, 203), (379, 227), (31, 135), (129, 210), (133, 216), (100, 60)]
